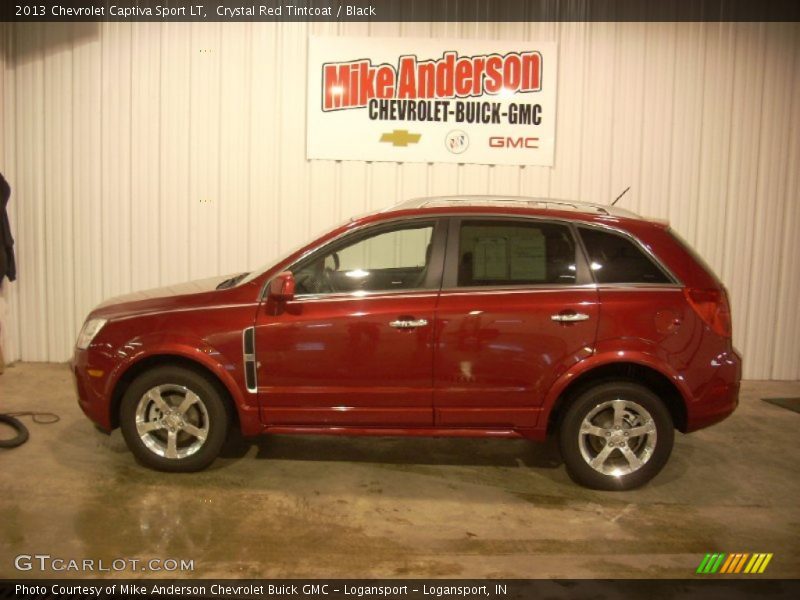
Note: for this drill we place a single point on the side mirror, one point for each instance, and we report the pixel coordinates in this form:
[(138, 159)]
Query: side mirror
[(281, 288)]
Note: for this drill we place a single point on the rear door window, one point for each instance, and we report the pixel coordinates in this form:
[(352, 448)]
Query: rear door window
[(616, 259), (508, 252)]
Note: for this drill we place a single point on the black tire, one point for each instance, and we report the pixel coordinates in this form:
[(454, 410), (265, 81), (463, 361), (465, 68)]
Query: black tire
[(22, 432), (615, 470), (209, 415)]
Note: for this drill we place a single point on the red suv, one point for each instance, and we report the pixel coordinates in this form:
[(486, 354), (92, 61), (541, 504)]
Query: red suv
[(455, 316)]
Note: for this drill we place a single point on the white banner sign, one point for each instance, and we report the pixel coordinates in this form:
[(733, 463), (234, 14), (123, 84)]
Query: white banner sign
[(428, 100)]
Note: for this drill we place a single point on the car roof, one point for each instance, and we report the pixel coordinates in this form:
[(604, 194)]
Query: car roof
[(537, 204)]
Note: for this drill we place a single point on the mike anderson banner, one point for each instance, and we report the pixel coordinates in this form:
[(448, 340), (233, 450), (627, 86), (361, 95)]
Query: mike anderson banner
[(429, 100)]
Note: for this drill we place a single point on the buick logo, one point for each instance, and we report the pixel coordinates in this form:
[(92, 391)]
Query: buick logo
[(456, 141)]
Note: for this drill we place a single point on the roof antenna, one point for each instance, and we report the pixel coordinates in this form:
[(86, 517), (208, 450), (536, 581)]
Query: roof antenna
[(621, 195)]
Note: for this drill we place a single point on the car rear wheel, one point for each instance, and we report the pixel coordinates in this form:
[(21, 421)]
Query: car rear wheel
[(616, 436), (173, 419)]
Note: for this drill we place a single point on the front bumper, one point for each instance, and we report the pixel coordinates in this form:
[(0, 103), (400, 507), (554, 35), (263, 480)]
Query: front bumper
[(91, 387)]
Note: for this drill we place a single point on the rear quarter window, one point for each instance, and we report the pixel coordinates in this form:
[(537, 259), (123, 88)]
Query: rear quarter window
[(614, 258)]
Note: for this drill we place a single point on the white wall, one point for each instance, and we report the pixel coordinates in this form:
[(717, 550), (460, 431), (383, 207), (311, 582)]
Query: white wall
[(146, 154)]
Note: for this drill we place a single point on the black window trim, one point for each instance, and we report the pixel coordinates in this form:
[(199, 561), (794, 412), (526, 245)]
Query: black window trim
[(583, 277), (433, 278)]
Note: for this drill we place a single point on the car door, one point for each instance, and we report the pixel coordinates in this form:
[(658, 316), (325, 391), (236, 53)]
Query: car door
[(517, 309), (354, 347)]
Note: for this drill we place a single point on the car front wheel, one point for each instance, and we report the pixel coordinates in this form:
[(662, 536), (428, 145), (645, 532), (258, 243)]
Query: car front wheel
[(616, 436), (173, 419)]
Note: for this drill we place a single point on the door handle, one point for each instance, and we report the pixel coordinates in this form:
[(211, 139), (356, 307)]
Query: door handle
[(408, 323), (569, 317)]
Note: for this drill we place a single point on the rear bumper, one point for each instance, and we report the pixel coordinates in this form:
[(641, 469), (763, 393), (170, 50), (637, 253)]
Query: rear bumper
[(718, 398)]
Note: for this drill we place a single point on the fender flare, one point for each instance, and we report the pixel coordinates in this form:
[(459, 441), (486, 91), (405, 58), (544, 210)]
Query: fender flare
[(605, 358), (196, 351)]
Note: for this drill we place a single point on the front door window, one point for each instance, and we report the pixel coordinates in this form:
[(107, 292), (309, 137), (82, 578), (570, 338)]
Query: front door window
[(387, 260)]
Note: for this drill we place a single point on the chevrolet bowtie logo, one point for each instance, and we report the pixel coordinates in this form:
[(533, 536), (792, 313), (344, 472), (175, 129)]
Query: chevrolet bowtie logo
[(401, 137)]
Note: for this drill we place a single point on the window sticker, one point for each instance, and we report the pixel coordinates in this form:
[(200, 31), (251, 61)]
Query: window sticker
[(527, 257), (490, 258)]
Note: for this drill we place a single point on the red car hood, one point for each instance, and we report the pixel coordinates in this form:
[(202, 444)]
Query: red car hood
[(183, 295)]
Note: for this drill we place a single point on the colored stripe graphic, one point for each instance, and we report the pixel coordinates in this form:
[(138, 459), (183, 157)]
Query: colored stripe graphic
[(755, 562), (730, 565), (703, 563), (727, 564), (735, 563), (742, 562), (710, 563), (767, 558)]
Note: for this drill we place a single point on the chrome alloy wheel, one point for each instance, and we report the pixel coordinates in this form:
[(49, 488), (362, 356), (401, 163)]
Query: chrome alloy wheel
[(617, 437), (172, 421)]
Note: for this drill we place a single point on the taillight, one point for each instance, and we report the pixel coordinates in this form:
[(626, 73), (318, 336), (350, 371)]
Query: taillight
[(711, 306)]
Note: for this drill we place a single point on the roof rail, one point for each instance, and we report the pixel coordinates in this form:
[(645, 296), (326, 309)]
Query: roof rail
[(478, 200)]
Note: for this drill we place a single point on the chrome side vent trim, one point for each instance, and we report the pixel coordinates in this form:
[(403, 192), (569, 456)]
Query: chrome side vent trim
[(249, 351)]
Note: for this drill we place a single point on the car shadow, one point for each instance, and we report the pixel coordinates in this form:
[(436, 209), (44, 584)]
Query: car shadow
[(396, 450)]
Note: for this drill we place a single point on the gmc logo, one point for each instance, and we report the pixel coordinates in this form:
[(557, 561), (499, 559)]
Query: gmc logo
[(513, 142)]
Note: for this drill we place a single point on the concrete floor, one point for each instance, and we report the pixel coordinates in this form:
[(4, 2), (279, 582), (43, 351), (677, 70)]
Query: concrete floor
[(387, 507)]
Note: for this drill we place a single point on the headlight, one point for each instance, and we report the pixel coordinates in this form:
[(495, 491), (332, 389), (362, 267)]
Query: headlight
[(90, 329)]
